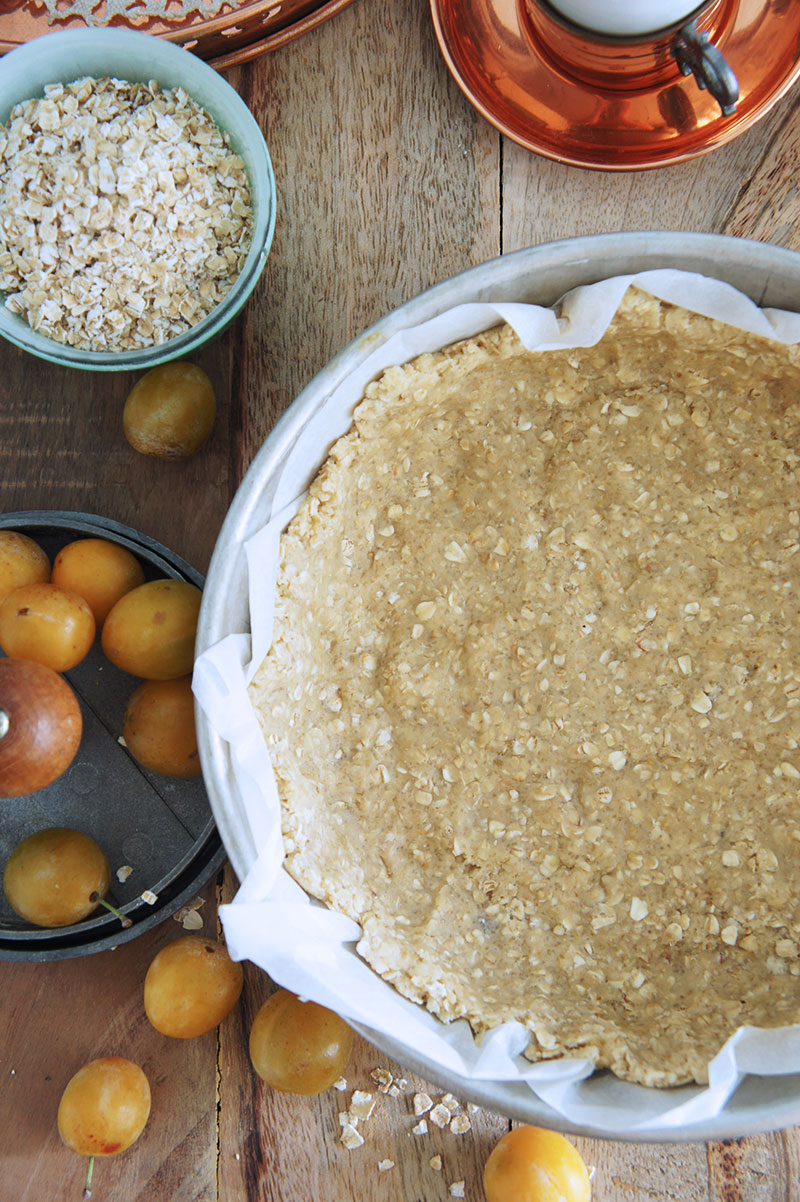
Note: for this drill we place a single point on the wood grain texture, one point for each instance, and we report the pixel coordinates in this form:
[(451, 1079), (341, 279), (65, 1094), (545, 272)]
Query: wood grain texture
[(56, 1017), (62, 447), (544, 201), (388, 182), (767, 206)]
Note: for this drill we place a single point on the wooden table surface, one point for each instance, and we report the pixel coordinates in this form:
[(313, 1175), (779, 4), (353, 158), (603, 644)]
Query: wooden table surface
[(388, 182)]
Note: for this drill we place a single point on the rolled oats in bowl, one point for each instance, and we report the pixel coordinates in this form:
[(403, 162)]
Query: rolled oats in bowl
[(136, 199), (125, 217)]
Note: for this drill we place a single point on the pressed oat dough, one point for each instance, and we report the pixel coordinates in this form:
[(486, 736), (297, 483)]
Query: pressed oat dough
[(533, 700)]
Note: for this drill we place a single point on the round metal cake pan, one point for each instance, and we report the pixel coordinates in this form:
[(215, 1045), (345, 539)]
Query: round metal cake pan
[(162, 828), (770, 275)]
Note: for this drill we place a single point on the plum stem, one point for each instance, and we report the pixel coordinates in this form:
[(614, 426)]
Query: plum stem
[(87, 1191), (101, 901)]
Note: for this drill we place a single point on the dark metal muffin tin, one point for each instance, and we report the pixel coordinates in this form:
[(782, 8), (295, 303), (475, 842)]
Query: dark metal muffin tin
[(161, 827)]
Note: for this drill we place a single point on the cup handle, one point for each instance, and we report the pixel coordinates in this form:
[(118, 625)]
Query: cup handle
[(696, 56)]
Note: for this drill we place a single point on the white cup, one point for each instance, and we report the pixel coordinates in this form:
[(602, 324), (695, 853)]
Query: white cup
[(625, 17)]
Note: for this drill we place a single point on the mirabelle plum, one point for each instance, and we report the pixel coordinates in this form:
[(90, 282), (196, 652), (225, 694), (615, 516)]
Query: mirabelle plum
[(105, 1107), (191, 986), (99, 571), (299, 1047), (170, 411), (48, 624), (150, 632), (56, 877), (22, 561), (530, 1164), (158, 727), (40, 726)]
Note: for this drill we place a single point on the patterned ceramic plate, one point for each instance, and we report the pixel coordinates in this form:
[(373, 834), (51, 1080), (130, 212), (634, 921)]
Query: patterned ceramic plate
[(222, 32)]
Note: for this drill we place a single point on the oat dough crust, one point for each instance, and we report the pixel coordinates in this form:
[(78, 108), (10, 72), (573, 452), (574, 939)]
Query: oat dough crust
[(534, 696)]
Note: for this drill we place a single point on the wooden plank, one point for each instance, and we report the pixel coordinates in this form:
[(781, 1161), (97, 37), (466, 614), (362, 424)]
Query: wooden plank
[(768, 205), (387, 183), (56, 1017), (545, 201), (275, 1147), (62, 446)]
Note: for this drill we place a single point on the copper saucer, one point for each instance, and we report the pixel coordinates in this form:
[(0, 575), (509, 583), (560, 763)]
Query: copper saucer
[(509, 74)]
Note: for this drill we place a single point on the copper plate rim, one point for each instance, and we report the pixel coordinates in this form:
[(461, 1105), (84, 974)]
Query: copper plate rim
[(518, 90)]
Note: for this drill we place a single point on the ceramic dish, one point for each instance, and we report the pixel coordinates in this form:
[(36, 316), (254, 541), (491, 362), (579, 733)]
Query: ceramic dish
[(123, 54), (238, 34), (224, 55), (771, 276), (505, 70), (162, 828)]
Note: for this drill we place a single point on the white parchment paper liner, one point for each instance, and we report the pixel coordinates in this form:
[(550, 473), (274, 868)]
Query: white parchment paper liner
[(311, 950)]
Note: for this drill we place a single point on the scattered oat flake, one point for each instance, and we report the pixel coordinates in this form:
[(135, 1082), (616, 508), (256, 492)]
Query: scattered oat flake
[(457, 1189), (452, 1103), (385, 1165), (422, 1103), (382, 1078), (351, 1138), (421, 1128), (341, 1084), (188, 915), (123, 873), (362, 1104), (440, 1116), (460, 1124), (436, 1163), (150, 897)]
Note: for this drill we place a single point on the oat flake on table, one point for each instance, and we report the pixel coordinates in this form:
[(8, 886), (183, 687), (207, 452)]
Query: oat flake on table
[(125, 216), (533, 700)]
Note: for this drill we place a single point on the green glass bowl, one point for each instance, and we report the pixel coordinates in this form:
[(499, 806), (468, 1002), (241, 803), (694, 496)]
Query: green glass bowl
[(138, 57)]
